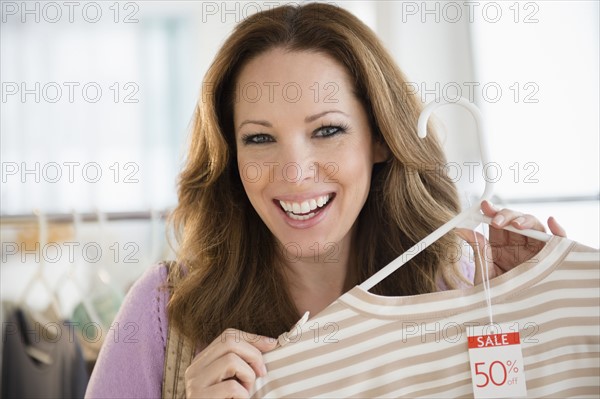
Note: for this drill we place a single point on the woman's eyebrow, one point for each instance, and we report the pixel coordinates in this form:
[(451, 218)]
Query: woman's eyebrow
[(308, 119), (256, 122), (314, 117)]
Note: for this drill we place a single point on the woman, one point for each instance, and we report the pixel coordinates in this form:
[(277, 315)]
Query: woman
[(296, 188)]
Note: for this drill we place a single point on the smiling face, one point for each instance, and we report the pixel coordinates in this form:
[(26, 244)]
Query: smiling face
[(305, 149)]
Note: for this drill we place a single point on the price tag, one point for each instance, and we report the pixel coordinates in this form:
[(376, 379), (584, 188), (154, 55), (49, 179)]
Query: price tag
[(497, 369)]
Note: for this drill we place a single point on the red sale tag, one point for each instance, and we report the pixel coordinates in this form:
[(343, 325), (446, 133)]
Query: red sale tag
[(497, 369)]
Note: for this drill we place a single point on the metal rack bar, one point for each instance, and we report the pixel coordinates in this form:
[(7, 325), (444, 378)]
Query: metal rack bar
[(85, 217), (531, 200)]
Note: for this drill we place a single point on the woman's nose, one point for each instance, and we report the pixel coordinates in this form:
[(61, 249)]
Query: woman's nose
[(297, 163)]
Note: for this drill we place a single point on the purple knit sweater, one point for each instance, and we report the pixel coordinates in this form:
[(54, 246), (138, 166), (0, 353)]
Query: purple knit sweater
[(130, 364)]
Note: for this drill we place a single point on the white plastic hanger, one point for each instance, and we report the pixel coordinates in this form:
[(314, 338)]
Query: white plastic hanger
[(71, 274), (105, 290), (39, 276), (471, 216), (102, 274)]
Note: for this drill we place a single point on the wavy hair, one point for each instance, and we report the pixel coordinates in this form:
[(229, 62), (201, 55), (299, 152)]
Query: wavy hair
[(234, 277)]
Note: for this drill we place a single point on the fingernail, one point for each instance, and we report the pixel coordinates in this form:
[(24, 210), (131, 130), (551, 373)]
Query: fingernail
[(264, 370), (519, 221), (498, 220)]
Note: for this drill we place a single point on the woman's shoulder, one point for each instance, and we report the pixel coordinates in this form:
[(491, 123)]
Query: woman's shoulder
[(153, 277), (149, 296), (130, 363), (152, 280)]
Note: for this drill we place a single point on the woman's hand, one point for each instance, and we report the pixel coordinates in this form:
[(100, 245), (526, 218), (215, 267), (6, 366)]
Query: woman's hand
[(228, 366), (506, 249)]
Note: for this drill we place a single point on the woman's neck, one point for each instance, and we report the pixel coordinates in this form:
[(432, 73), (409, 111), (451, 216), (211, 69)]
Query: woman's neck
[(315, 282)]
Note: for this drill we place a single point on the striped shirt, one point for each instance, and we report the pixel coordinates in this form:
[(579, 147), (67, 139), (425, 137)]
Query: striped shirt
[(365, 345)]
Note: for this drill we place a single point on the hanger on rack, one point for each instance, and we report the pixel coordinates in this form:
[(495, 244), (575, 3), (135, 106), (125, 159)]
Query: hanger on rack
[(470, 217), (71, 274), (40, 278), (102, 274), (106, 296), (39, 275), (102, 300)]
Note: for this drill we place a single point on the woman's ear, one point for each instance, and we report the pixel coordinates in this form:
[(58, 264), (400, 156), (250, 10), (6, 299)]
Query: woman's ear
[(381, 152)]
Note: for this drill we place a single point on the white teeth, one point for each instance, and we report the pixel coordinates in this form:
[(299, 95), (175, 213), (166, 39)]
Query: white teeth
[(320, 202), (296, 209), (301, 217), (305, 207)]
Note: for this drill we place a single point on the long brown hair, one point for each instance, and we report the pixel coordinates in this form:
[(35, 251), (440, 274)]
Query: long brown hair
[(233, 276)]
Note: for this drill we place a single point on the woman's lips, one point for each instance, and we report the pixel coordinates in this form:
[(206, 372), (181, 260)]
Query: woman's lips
[(305, 213), (306, 209)]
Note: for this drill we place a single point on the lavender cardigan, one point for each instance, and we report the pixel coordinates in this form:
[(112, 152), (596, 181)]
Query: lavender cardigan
[(130, 364)]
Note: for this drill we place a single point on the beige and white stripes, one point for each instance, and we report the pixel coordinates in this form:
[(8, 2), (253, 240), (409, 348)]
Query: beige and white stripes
[(364, 345)]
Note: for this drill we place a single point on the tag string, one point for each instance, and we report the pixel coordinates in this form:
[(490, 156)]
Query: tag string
[(483, 268)]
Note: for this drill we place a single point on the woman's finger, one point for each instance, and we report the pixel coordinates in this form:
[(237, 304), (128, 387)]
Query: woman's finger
[(488, 208), (248, 347), (500, 217), (504, 217), (528, 222), (224, 389), (231, 366), (556, 228)]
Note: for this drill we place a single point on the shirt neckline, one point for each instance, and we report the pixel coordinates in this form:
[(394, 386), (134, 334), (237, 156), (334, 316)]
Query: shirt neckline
[(454, 301)]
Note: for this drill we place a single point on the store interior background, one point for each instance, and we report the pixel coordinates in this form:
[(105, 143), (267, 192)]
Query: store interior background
[(532, 69)]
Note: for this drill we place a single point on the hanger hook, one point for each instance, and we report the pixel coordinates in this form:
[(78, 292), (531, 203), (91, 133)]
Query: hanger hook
[(474, 212), (77, 221), (42, 227), (483, 147)]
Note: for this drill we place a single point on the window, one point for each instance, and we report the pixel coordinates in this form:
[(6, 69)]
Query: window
[(537, 68)]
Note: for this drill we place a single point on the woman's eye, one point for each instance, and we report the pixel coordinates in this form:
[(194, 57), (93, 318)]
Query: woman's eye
[(257, 138), (326, 131)]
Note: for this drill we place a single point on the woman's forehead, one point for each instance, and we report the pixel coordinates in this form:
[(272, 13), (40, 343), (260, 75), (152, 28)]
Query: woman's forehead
[(292, 81)]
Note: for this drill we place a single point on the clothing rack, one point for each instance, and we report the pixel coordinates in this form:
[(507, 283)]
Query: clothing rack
[(85, 217), (564, 198)]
